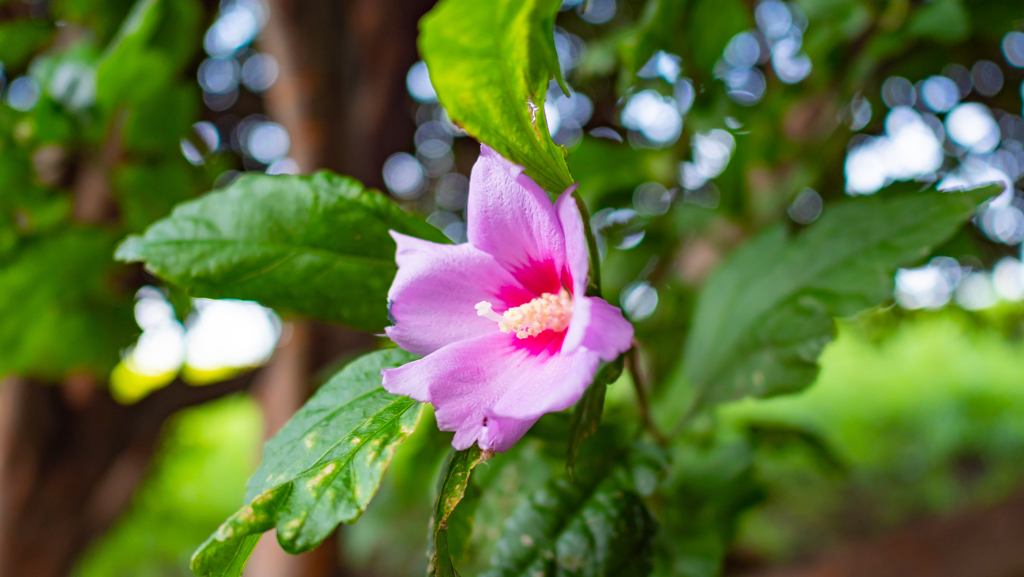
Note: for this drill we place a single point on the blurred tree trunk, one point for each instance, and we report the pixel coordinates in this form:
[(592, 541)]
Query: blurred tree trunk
[(341, 96), (70, 460), (341, 91)]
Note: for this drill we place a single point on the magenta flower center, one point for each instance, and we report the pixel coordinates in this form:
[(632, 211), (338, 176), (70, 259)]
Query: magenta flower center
[(546, 312)]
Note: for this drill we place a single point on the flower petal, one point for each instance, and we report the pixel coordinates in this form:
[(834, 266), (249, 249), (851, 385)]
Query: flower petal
[(576, 253), (492, 388), (510, 217), (550, 384), (599, 327), (435, 291), (499, 433)]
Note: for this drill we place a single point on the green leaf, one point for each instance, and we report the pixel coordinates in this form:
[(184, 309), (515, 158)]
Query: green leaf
[(595, 526), (490, 63), (587, 414), (20, 39), (712, 23), (321, 469), (154, 43), (602, 167), (61, 307), (316, 245), (148, 191), (763, 318), (657, 29), (128, 70), (707, 490), (451, 489)]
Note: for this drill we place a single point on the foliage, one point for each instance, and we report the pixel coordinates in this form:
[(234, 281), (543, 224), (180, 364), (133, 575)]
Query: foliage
[(321, 469), (101, 111), (288, 242), (765, 315), (746, 296), (491, 65)]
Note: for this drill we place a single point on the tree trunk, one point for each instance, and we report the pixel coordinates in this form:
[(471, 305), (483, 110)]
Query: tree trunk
[(70, 459), (342, 77)]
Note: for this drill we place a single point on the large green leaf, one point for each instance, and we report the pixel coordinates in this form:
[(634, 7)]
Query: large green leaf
[(763, 318), (451, 489), (490, 63), (321, 469), (316, 245), (594, 526)]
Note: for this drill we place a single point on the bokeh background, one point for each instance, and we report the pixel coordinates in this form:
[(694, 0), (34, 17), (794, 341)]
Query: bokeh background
[(131, 415)]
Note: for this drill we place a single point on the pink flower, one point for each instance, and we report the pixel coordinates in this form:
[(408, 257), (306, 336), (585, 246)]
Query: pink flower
[(507, 331)]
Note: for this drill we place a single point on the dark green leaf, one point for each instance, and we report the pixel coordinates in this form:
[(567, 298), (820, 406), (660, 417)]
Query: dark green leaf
[(595, 526), (587, 414), (712, 23), (706, 492), (321, 469), (602, 166), (490, 63), (658, 29), (451, 489), (763, 318), (316, 245)]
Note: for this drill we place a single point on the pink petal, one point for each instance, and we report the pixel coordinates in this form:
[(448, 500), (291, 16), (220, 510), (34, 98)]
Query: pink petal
[(510, 217), (499, 434), (576, 252), (435, 291), (598, 327), (550, 384), (490, 389)]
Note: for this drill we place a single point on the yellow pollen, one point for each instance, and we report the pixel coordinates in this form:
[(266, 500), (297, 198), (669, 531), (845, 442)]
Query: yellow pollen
[(548, 311)]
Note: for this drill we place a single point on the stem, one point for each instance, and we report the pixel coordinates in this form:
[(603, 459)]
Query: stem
[(643, 405), (595, 258)]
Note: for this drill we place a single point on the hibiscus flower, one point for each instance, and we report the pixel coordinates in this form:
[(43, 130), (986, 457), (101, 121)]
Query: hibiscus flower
[(504, 324)]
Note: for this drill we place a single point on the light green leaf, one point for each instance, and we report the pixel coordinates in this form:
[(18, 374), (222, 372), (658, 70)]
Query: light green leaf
[(155, 41), (763, 318), (316, 245), (20, 39), (321, 469), (61, 310), (490, 63), (451, 489)]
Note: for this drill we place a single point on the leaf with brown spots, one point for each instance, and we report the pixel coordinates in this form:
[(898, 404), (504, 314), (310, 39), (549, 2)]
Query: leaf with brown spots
[(321, 469), (451, 489)]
